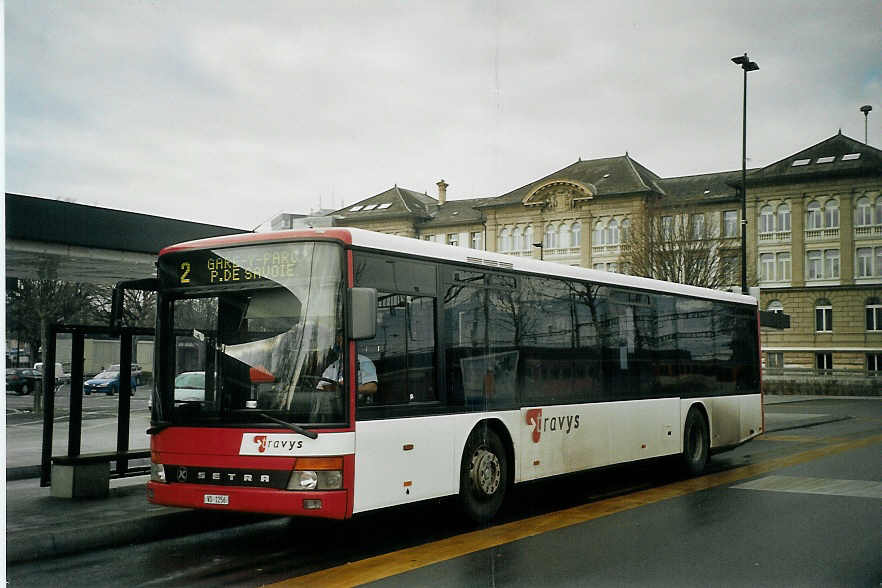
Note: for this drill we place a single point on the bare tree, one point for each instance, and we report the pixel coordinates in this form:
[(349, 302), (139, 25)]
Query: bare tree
[(33, 305), (680, 245)]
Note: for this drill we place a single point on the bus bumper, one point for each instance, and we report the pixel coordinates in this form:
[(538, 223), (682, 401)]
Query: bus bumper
[(329, 504)]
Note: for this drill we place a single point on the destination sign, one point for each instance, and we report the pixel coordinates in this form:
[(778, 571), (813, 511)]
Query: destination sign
[(231, 266)]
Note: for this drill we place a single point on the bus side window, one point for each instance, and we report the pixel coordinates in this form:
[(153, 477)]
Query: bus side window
[(403, 350)]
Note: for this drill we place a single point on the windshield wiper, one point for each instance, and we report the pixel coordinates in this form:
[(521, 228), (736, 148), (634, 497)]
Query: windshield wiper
[(292, 426)]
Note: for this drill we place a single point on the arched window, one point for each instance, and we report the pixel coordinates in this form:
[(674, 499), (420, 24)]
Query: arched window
[(878, 215), (874, 314), (775, 306), (504, 241), (767, 220), (813, 216), (577, 235), (863, 213), (612, 233), (564, 235), (516, 239), (784, 218), (598, 234), (823, 316), (626, 229), (551, 237), (831, 214), (528, 239)]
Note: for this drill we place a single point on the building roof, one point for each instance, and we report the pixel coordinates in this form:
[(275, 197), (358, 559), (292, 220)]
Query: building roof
[(838, 155), (606, 176), (393, 202), (707, 188)]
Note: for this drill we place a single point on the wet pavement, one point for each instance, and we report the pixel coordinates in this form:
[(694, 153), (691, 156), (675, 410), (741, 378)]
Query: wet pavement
[(41, 526)]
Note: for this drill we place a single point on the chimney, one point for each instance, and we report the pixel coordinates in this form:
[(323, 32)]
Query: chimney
[(442, 191)]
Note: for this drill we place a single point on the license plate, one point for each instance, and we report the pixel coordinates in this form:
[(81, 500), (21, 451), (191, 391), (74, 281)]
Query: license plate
[(216, 499)]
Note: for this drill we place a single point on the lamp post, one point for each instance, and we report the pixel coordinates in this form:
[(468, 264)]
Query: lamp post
[(866, 108), (541, 246), (747, 65)]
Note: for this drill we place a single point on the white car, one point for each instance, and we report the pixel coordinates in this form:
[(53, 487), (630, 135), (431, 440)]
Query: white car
[(189, 387)]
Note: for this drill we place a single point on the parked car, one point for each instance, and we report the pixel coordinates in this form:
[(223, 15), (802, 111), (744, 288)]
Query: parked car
[(23, 380), (189, 387), (60, 376), (106, 382), (136, 371)]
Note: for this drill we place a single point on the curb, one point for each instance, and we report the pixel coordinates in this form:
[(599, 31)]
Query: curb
[(810, 423), (29, 546)]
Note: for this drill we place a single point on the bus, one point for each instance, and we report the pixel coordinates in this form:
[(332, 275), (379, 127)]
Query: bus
[(330, 372)]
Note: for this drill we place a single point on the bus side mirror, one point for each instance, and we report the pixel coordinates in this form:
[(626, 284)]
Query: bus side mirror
[(362, 313)]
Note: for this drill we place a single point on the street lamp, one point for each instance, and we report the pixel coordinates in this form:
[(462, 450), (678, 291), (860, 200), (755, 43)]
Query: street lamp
[(866, 108), (541, 247), (747, 65)]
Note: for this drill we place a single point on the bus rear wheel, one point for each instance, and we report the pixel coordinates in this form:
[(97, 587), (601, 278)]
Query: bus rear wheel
[(696, 442), (483, 479)]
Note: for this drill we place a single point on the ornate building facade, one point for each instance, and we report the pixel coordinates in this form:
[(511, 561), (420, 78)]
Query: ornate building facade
[(814, 240)]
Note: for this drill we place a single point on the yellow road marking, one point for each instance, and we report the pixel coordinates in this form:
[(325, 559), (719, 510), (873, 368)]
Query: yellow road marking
[(398, 562)]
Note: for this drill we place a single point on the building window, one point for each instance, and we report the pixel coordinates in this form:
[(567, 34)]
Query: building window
[(783, 218), (576, 235), (697, 221), (831, 264), (879, 261), (626, 229), (874, 314), (730, 266), (528, 239), (767, 267), (878, 211), (730, 223), (599, 267), (783, 266), (516, 239), (504, 241), (477, 240), (453, 239), (775, 306), (874, 364), (831, 214), (823, 316), (667, 227), (551, 237), (813, 218), (863, 214), (612, 233), (564, 235), (775, 359), (813, 265), (767, 220), (612, 267), (863, 262), (824, 361), (598, 233)]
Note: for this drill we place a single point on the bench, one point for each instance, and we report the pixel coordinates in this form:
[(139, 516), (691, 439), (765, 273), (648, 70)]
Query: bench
[(88, 475)]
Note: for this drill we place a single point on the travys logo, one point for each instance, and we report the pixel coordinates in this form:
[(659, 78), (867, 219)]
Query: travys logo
[(563, 423), (261, 443)]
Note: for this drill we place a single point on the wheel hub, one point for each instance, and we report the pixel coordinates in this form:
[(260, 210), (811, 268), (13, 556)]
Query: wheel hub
[(485, 471)]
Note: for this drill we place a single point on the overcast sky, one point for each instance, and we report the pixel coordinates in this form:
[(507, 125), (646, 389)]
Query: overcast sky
[(229, 112)]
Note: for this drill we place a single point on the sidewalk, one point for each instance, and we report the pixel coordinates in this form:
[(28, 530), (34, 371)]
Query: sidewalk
[(40, 526)]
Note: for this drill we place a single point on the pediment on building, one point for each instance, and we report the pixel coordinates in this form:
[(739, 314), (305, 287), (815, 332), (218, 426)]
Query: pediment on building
[(559, 193)]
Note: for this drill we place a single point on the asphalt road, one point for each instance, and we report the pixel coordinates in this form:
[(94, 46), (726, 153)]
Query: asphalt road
[(783, 510)]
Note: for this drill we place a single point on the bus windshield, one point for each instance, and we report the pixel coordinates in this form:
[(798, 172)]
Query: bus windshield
[(254, 329)]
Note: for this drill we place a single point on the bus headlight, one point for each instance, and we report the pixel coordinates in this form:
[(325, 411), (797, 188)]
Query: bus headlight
[(157, 473), (317, 473)]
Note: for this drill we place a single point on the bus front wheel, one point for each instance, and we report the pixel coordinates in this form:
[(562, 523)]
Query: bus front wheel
[(696, 442), (483, 479)]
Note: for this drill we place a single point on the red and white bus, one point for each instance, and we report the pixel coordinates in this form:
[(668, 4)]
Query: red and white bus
[(330, 372)]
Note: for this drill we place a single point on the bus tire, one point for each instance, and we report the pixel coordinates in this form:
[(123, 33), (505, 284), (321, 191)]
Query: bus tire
[(696, 442), (483, 479)]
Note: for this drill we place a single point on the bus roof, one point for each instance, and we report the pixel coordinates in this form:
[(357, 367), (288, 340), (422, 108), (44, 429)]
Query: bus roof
[(428, 249)]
